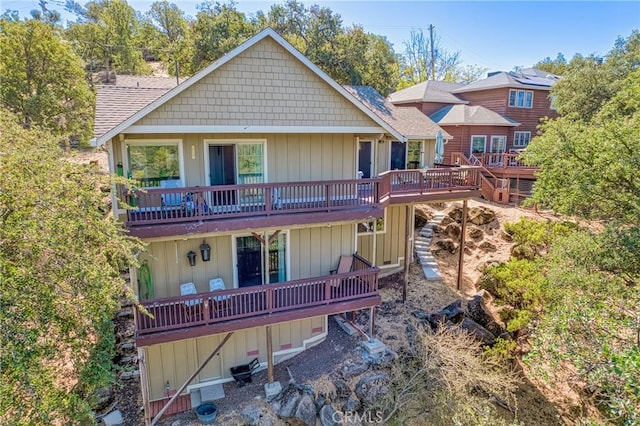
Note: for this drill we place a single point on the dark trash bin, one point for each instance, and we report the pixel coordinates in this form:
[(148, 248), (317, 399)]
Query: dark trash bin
[(242, 373), (207, 412)]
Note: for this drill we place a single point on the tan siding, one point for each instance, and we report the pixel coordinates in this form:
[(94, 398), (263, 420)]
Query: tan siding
[(176, 361), (389, 246), (262, 86), (318, 249), (290, 157), (382, 156)]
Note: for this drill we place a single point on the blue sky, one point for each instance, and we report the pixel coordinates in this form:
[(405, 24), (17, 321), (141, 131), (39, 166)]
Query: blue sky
[(497, 35)]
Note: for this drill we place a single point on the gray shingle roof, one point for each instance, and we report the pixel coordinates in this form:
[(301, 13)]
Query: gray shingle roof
[(428, 91), (149, 82), (470, 116), (408, 121), (115, 104), (509, 79)]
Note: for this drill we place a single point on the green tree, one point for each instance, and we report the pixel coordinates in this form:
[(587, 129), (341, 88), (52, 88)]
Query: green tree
[(60, 261), (43, 81), (109, 34), (163, 29), (557, 66)]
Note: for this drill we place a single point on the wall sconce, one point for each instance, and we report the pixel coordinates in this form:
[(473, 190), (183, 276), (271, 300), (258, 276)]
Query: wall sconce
[(205, 251), (192, 258)]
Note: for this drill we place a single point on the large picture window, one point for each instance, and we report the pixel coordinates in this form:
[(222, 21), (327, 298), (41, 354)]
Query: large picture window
[(151, 164), (521, 98), (415, 155), (521, 139)]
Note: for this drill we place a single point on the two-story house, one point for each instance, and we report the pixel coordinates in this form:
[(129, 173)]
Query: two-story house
[(270, 197), (490, 121)]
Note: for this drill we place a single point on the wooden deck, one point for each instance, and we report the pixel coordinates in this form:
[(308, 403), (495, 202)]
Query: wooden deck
[(507, 166), (224, 208), (181, 317)]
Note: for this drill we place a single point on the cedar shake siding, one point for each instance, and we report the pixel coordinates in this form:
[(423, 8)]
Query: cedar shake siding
[(263, 86)]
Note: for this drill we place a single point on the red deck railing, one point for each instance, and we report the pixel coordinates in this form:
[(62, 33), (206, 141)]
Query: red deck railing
[(502, 161), (173, 313), (201, 203)]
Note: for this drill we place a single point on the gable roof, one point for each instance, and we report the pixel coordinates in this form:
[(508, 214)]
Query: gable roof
[(408, 121), (502, 79), (268, 32), (428, 91), (465, 115)]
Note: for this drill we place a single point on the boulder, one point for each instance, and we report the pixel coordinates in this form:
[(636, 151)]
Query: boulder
[(478, 331), (487, 246), (470, 245), (354, 369), (329, 416), (446, 245), (342, 388), (491, 263), (305, 413), (352, 405), (447, 220), (104, 397), (453, 311), (454, 213), (295, 402), (423, 216), (504, 235), (480, 215), (437, 229), (258, 415), (372, 387), (475, 233), (452, 231), (320, 402), (384, 359), (477, 311)]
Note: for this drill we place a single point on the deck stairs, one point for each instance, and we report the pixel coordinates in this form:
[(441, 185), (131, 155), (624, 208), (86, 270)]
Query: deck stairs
[(422, 248)]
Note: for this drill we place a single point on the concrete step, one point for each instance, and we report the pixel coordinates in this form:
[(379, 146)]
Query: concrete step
[(430, 274)]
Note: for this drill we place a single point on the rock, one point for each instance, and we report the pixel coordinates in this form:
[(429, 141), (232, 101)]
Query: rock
[(475, 232), (447, 245), (320, 402), (423, 216), (447, 220), (306, 411), (455, 214), (481, 215), (437, 229), (420, 315), (452, 231), (453, 311), (384, 359), (437, 320), (352, 405), (329, 416), (469, 244), (523, 252), (477, 311), (291, 397), (104, 396), (478, 331), (491, 263), (487, 246), (255, 415), (113, 418), (342, 388), (504, 235), (372, 387), (353, 369)]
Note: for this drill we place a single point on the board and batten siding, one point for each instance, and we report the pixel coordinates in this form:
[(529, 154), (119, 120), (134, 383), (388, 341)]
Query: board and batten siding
[(170, 364), (263, 86), (290, 157), (389, 245), (313, 251)]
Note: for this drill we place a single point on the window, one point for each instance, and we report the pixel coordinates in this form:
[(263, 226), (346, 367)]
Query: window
[(521, 98), (250, 163), (398, 156), (521, 139), (478, 144), (414, 157), (553, 103), (373, 226), (498, 144), (152, 163)]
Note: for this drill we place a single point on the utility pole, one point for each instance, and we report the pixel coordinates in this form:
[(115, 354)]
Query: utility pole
[(433, 57)]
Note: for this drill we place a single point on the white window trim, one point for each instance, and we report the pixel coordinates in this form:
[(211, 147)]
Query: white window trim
[(226, 141), (234, 250), (516, 98), (504, 137), (372, 169), (484, 149), (516, 143), (375, 221), (154, 142)]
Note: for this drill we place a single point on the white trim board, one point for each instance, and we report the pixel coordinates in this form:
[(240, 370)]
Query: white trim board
[(251, 129)]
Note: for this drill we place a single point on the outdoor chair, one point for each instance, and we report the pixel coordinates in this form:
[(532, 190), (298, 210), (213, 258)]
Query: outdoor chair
[(192, 305), (222, 303)]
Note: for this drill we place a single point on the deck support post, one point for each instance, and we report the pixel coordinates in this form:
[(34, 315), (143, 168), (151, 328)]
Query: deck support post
[(372, 321), (463, 232), (269, 355), (191, 377), (407, 249)]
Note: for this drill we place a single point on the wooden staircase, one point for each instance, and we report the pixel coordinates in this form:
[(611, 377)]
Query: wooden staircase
[(492, 188)]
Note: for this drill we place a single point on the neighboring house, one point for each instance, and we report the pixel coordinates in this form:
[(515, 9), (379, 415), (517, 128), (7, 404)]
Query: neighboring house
[(490, 120), (268, 198)]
